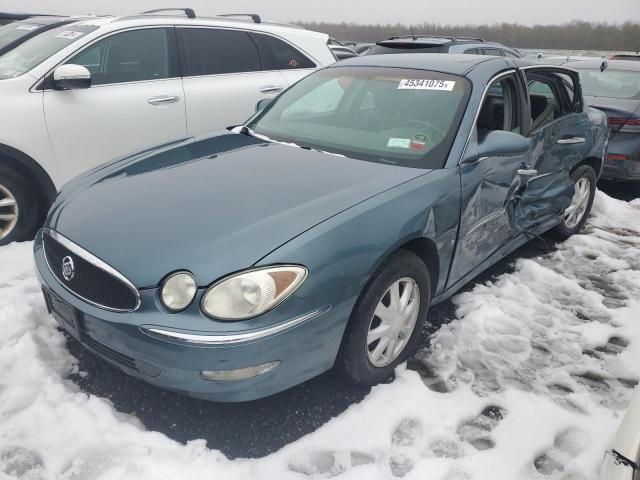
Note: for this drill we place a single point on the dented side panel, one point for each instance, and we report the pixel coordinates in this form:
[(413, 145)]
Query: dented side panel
[(549, 193)]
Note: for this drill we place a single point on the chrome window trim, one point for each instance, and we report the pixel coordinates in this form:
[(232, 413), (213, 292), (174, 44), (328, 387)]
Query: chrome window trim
[(96, 262), (477, 115), (235, 338)]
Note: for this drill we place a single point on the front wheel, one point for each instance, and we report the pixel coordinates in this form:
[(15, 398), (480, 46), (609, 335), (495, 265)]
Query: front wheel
[(386, 322), (575, 216), (18, 212)]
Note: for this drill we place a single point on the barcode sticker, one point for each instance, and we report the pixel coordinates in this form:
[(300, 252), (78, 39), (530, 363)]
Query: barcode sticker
[(422, 84)]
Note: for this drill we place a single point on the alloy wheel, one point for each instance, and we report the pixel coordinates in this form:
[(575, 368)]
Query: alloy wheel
[(393, 322), (8, 212), (579, 203)]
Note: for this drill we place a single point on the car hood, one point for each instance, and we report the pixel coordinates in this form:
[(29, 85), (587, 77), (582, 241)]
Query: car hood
[(213, 207)]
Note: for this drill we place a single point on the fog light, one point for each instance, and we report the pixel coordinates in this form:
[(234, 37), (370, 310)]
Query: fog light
[(239, 373)]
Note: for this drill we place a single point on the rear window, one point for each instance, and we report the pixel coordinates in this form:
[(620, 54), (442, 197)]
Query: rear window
[(37, 49), (276, 54), (405, 47), (620, 84)]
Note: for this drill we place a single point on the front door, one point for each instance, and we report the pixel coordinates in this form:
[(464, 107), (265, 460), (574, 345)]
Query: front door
[(490, 185), (135, 102), (560, 138)]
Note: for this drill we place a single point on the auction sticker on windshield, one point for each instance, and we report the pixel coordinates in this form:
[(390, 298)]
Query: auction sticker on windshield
[(422, 84)]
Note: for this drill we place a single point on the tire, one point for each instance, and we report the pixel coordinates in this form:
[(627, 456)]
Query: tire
[(566, 228), (355, 355), (19, 211)]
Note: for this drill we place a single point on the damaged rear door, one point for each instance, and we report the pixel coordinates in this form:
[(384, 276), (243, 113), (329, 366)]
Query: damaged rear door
[(560, 135)]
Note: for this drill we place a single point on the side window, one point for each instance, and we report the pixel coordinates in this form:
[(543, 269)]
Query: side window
[(472, 51), (544, 101), (132, 56), (278, 55), (507, 53), (211, 51), (493, 51), (571, 88), (500, 109)]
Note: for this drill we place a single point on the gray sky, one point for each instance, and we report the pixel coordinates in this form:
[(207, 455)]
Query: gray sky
[(360, 11)]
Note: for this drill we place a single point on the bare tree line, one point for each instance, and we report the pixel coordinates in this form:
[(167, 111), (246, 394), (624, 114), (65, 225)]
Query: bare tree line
[(576, 35)]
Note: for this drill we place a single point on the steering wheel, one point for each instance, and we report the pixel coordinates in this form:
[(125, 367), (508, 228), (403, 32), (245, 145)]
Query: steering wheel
[(430, 130)]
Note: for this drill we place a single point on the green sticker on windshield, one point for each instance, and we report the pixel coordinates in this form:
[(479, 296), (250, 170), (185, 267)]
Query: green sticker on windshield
[(399, 143)]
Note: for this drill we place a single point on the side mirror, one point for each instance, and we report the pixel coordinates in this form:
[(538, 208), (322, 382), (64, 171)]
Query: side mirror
[(263, 103), (71, 77), (499, 143)]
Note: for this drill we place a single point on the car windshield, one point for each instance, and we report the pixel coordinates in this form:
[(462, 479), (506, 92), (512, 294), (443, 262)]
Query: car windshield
[(387, 115), (14, 31), (34, 51), (620, 84)]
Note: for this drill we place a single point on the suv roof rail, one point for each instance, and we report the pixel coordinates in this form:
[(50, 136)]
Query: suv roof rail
[(189, 12), (449, 37), (255, 17)]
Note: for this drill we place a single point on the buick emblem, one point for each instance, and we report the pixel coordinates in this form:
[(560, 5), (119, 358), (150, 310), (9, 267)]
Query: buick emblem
[(68, 268)]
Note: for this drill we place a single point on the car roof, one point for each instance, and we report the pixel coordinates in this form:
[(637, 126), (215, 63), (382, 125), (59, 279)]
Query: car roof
[(454, 63), (631, 65), (45, 20), (430, 39), (180, 19)]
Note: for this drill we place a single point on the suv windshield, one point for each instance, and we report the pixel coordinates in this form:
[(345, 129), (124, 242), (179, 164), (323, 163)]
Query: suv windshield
[(620, 84), (34, 51), (387, 115)]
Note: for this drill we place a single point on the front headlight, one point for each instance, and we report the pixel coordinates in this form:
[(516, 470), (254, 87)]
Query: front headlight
[(177, 291), (252, 293)]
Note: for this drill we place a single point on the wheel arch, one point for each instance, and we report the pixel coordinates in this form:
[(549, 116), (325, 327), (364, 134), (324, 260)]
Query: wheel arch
[(593, 162), (26, 166)]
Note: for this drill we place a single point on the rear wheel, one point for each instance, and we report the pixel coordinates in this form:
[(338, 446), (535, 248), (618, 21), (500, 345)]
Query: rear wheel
[(18, 212), (385, 325), (575, 216)]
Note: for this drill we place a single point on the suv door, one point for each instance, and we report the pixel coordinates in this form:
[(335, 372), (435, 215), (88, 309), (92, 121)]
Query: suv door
[(135, 100), (490, 185), (559, 129), (223, 77)]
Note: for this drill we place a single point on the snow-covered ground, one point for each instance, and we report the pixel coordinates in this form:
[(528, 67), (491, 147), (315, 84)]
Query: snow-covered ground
[(529, 381)]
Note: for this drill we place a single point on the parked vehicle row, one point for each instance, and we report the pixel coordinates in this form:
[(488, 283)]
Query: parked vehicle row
[(613, 86), (83, 93)]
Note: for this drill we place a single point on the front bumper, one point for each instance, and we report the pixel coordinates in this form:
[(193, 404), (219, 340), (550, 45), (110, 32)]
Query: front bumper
[(304, 337)]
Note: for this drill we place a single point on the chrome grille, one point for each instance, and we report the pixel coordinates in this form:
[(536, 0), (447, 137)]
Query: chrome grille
[(92, 280)]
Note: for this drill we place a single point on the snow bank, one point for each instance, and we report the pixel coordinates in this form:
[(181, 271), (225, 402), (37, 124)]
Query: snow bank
[(529, 381)]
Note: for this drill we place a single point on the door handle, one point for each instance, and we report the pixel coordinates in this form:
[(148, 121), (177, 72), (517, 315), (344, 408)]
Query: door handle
[(570, 141), (163, 99), (527, 172), (271, 89)]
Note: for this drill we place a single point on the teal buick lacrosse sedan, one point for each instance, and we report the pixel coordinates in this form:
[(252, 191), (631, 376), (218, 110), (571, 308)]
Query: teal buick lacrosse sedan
[(320, 232)]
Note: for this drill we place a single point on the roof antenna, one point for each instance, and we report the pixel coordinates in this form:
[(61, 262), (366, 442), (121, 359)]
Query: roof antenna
[(604, 66)]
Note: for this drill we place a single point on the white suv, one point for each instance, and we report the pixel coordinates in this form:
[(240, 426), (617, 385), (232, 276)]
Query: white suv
[(91, 91)]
